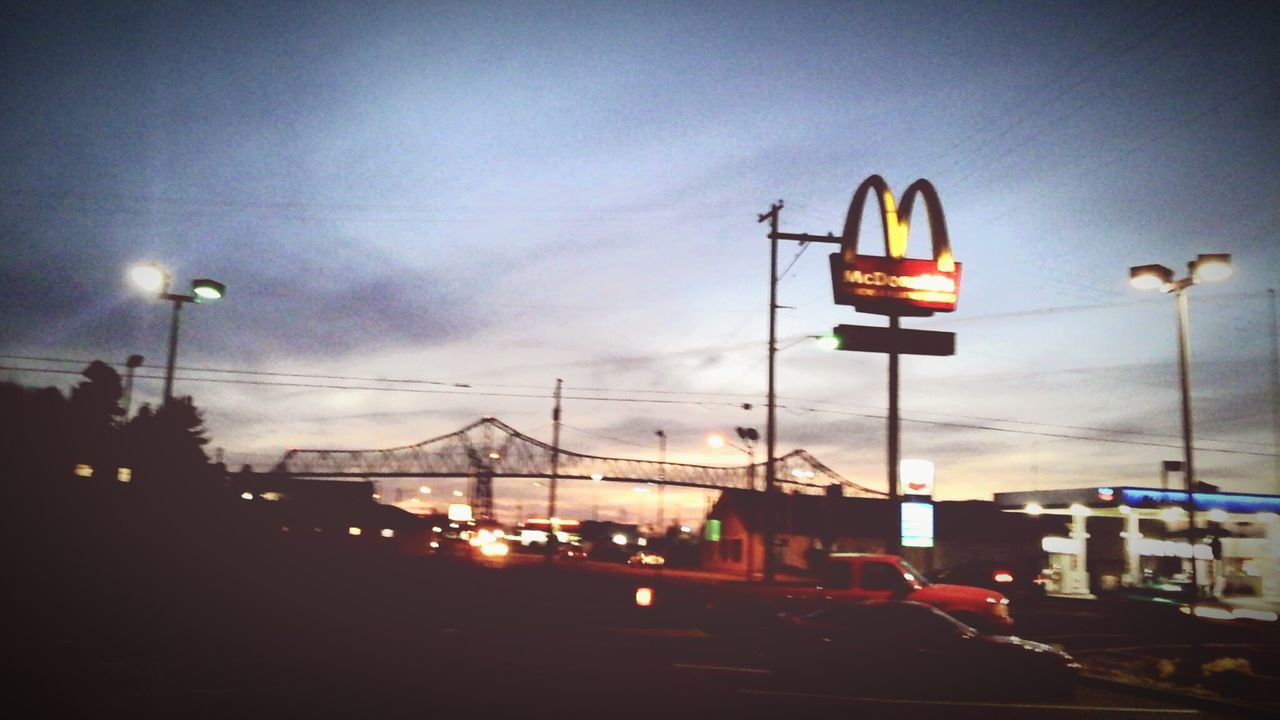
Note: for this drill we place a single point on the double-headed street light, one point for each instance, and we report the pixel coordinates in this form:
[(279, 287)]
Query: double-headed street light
[(1205, 268), (155, 279), (749, 437)]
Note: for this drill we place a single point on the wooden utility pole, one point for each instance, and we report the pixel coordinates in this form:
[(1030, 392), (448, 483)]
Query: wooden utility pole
[(770, 422), (555, 474)]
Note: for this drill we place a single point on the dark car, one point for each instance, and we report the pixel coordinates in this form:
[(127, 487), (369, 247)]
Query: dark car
[(569, 551), (909, 648), (1018, 580)]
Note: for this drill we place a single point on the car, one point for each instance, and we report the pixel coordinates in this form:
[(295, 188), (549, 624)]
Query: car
[(572, 552), (898, 647), (1018, 580), (644, 558), (879, 576)]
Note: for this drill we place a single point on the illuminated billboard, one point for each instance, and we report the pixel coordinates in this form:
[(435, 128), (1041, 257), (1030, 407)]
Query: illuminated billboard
[(882, 284), (894, 284), (917, 524)]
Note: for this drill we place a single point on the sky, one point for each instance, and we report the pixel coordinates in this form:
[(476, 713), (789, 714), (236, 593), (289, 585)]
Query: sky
[(477, 199)]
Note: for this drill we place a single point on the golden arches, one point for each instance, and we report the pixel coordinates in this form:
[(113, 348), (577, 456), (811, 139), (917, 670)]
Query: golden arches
[(896, 223)]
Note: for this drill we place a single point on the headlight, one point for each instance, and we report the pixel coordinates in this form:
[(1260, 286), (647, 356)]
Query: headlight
[(494, 549)]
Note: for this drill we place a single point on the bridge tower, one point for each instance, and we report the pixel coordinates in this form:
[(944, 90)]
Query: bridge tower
[(480, 487), (481, 493)]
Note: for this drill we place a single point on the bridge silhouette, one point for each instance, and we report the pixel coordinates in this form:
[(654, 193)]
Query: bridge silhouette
[(489, 448)]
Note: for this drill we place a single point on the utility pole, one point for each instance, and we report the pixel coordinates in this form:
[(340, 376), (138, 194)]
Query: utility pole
[(1275, 384), (770, 422), (555, 472)]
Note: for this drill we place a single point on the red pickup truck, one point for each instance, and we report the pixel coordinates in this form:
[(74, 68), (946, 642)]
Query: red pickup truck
[(864, 576)]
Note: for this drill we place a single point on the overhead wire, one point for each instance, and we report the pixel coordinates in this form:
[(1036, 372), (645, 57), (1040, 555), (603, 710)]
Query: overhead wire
[(656, 401), (476, 388)]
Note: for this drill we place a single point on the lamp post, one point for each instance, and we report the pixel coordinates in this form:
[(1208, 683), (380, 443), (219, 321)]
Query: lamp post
[(153, 278), (1205, 268), (662, 476), (131, 364)]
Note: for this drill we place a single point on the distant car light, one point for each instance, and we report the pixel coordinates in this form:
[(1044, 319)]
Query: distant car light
[(644, 597), (494, 549), (1002, 576)]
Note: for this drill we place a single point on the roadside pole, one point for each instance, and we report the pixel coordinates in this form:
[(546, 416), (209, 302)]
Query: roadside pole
[(555, 473)]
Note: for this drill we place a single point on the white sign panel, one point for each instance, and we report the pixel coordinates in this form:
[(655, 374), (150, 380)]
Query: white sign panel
[(917, 524), (916, 477)]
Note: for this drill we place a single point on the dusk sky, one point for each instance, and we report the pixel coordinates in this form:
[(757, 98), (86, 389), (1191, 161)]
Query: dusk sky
[(476, 199)]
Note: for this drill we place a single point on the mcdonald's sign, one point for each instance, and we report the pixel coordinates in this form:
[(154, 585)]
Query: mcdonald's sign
[(893, 284)]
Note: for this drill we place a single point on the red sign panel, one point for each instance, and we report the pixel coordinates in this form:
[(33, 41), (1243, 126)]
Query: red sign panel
[(894, 286)]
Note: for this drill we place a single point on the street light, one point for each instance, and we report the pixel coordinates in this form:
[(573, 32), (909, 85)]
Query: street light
[(155, 279), (662, 476), (1205, 268), (749, 437)]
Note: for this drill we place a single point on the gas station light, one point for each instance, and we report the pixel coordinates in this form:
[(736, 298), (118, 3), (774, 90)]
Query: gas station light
[(1150, 277), (1212, 267)]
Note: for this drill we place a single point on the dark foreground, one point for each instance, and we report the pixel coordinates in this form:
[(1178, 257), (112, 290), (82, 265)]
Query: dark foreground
[(121, 609)]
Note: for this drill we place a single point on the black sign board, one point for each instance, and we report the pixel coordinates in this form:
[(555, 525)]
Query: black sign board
[(861, 338)]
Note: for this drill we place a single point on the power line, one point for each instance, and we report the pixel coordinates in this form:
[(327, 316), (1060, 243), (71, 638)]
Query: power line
[(684, 393), (1060, 436), (697, 403)]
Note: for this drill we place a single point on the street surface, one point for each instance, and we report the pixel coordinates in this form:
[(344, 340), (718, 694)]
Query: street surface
[(326, 635)]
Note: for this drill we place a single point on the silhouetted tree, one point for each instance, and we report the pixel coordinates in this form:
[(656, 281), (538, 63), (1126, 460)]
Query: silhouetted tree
[(167, 444), (95, 413), (34, 442)]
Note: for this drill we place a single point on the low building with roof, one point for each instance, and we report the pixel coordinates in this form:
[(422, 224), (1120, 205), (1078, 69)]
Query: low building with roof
[(808, 527)]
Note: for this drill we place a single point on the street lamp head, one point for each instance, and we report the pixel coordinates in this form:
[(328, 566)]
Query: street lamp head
[(716, 441), (149, 277), (1211, 267), (828, 342), (1151, 277), (206, 289)]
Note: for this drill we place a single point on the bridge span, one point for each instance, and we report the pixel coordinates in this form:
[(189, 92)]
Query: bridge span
[(490, 448)]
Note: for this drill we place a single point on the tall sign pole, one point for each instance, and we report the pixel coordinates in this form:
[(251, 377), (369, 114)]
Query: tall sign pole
[(771, 421), (893, 541)]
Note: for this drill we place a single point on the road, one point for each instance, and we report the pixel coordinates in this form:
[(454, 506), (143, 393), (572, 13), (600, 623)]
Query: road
[(329, 636)]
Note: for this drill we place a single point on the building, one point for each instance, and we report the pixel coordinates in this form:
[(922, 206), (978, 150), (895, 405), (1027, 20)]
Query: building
[(807, 527), (327, 513), (1114, 538)]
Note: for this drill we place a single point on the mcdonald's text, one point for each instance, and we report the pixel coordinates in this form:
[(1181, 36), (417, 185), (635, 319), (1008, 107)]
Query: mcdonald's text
[(895, 286)]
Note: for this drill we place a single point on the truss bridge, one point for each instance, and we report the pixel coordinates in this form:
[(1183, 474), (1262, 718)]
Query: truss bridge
[(489, 448)]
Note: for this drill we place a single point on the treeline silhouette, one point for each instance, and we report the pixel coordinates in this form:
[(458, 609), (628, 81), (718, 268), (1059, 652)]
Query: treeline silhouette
[(126, 552), (49, 435)]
